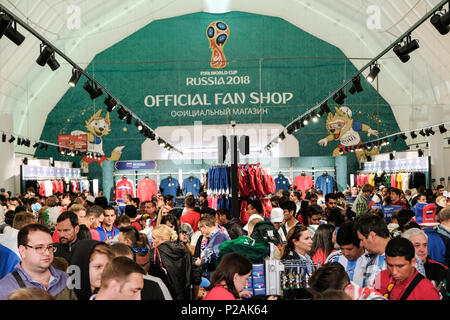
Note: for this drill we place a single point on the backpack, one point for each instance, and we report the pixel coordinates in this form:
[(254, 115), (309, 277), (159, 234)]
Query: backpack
[(255, 251)]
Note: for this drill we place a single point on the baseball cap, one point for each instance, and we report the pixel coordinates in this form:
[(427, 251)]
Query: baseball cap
[(276, 215)]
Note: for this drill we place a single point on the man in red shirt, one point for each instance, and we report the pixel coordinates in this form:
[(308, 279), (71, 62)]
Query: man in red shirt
[(401, 280), (191, 216), (395, 195)]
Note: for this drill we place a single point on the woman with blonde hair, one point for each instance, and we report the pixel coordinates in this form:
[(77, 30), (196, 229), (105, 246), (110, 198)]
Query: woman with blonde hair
[(172, 256)]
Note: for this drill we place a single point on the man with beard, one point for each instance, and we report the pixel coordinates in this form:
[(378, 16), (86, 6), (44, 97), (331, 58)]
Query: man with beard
[(68, 228)]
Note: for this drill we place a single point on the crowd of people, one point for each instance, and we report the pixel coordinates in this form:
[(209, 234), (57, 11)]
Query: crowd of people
[(75, 246)]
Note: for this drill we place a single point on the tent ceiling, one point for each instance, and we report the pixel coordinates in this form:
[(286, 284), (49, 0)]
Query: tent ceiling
[(418, 91)]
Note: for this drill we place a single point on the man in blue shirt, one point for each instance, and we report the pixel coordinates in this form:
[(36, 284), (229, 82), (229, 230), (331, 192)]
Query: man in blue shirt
[(107, 231)]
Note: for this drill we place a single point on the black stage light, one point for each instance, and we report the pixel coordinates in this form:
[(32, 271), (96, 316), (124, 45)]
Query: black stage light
[(403, 52), (129, 118), (122, 113), (356, 87), (3, 137), (110, 103), (403, 136), (36, 145), (11, 140), (395, 138), (19, 141), (76, 74), (314, 117), (52, 63), (325, 108), (442, 129), (391, 156), (8, 28), (441, 22), (339, 97), (44, 56), (281, 137), (430, 130), (93, 91), (413, 135), (374, 70), (420, 152), (306, 120), (139, 125), (422, 133)]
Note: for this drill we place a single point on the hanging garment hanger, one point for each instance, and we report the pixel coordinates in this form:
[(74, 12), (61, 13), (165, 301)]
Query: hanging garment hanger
[(303, 173), (325, 173), (280, 174)]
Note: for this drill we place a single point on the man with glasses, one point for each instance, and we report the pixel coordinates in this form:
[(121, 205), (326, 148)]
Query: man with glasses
[(36, 250)]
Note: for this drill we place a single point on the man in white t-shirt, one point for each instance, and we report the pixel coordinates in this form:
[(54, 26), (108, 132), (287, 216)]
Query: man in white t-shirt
[(255, 211)]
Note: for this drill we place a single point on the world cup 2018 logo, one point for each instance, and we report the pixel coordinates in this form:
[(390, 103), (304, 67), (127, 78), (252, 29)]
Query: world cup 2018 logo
[(217, 33)]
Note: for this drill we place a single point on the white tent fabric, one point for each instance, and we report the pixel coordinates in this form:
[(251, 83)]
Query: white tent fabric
[(418, 91)]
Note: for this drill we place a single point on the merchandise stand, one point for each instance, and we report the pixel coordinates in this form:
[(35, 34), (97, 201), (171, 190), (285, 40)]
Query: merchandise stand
[(287, 278), (314, 172)]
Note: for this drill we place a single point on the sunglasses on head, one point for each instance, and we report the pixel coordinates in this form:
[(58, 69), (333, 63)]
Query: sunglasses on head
[(143, 250)]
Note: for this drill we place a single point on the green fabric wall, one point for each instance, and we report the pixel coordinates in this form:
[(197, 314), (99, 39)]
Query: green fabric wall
[(275, 55)]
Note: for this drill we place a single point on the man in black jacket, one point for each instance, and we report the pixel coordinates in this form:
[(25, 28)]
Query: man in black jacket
[(232, 225), (68, 228)]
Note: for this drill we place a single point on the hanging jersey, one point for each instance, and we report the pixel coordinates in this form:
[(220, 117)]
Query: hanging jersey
[(303, 183), (146, 189), (169, 186), (325, 183), (123, 187), (192, 185), (281, 182)]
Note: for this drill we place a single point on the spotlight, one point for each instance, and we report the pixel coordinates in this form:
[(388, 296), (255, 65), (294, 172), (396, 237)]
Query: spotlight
[(27, 143), (356, 87), (290, 128), (391, 156), (3, 137), (314, 117), (36, 145), (305, 121), (76, 74), (19, 141), (11, 140), (403, 136), (122, 113), (413, 135), (111, 103), (339, 97), (420, 152), (441, 22), (281, 137), (8, 28), (93, 91), (442, 129), (139, 126), (422, 133), (152, 136), (129, 118), (429, 131), (52, 63), (374, 70), (44, 56), (395, 138), (324, 108), (403, 52), (161, 142)]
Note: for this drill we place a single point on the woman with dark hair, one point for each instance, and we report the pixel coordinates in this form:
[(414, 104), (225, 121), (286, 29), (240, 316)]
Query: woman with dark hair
[(323, 243), (229, 278), (298, 245)]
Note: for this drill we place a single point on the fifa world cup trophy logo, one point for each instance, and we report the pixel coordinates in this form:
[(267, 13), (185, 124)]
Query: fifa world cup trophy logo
[(217, 33)]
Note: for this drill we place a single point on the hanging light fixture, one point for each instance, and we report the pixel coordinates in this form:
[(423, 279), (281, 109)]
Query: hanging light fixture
[(403, 52), (374, 70), (76, 74), (356, 87), (92, 89), (8, 28)]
